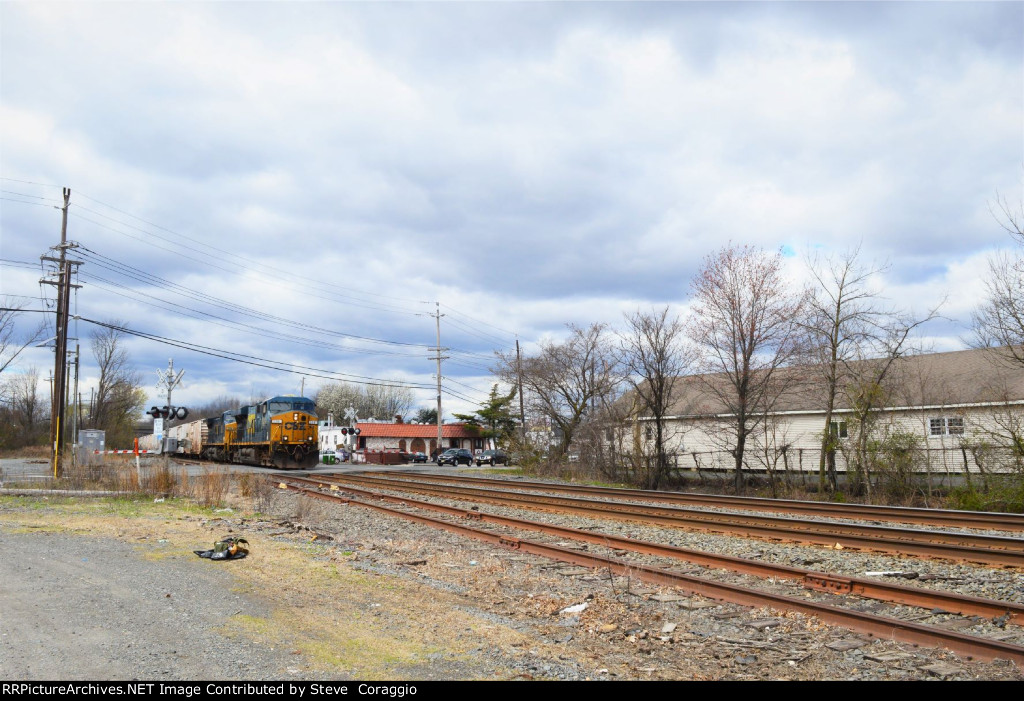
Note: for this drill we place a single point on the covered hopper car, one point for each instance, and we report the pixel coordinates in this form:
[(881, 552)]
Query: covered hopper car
[(278, 432)]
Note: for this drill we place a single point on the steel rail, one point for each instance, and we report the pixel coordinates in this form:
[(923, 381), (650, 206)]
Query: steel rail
[(810, 579), (872, 512), (934, 544), (969, 646)]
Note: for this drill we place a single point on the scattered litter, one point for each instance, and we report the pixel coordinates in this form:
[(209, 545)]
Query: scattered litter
[(893, 573), (575, 609), (282, 485), (837, 546), (668, 627), (608, 628), (163, 540), (227, 548), (158, 500), (473, 562), (224, 510)]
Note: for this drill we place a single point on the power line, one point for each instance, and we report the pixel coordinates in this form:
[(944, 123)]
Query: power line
[(142, 276), (496, 328), (234, 325), (259, 362)]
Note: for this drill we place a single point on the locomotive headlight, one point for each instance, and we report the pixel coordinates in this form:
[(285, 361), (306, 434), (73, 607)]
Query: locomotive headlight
[(285, 438), (295, 416)]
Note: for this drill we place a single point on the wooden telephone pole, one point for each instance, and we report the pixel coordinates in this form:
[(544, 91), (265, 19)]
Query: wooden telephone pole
[(60, 371)]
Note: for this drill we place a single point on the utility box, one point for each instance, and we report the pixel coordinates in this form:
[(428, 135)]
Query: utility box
[(89, 441)]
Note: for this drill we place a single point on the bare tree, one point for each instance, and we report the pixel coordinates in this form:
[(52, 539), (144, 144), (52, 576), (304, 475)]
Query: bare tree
[(653, 358), (744, 325), (383, 402), (26, 412), (871, 378), (565, 382), (11, 342), (119, 398), (844, 320), (999, 321)]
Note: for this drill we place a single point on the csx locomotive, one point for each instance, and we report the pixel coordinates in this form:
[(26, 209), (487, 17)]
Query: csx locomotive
[(278, 432)]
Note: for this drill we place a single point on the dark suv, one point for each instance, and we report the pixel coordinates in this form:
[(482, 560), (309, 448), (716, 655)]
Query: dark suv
[(492, 457), (455, 456)]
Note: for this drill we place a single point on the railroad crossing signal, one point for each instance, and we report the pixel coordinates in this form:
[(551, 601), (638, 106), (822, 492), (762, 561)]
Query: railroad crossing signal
[(168, 412)]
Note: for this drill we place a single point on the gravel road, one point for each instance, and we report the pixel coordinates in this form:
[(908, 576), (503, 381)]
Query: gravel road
[(84, 608)]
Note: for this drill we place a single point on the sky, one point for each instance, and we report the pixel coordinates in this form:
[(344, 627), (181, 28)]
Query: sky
[(305, 184)]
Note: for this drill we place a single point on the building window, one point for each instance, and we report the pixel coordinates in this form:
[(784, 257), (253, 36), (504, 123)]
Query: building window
[(838, 429), (946, 426), (648, 432)]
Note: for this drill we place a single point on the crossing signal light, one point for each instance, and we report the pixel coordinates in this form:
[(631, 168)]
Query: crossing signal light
[(164, 412)]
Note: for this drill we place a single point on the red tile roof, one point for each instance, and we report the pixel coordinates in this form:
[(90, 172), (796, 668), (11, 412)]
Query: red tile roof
[(379, 430)]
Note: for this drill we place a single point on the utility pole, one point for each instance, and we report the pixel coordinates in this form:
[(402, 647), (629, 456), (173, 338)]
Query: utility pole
[(437, 317), (78, 397), (60, 372)]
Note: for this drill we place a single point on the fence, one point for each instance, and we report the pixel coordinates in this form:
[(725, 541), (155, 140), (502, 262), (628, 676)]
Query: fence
[(951, 460)]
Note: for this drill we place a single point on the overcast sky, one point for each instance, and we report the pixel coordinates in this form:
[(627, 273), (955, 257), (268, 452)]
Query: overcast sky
[(343, 166)]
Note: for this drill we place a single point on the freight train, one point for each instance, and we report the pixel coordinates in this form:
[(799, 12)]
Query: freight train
[(279, 432)]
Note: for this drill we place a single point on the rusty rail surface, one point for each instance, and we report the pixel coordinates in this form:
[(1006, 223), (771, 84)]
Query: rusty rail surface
[(819, 581), (980, 549), (870, 512), (969, 646)]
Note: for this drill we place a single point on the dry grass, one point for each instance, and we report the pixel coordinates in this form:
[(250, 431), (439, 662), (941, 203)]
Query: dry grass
[(258, 489), (343, 620), (211, 486)]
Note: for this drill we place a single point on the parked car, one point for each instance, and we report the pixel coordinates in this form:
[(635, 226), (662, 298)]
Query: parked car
[(416, 457), (491, 457), (455, 456)]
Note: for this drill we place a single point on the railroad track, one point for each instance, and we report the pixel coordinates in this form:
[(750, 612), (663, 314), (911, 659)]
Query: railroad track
[(870, 512), (964, 547), (873, 625)]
